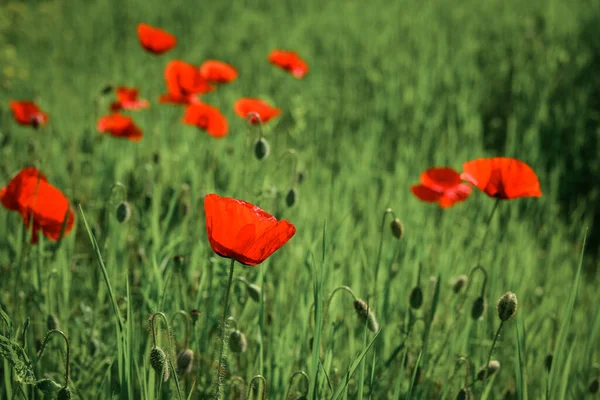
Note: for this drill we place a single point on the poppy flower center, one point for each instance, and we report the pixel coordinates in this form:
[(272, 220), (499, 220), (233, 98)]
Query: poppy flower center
[(202, 121)]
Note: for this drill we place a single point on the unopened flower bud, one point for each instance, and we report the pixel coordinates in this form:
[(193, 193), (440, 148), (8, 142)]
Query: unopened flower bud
[(254, 292), (492, 368), (594, 386), (478, 308), (507, 306), (397, 228), (291, 197), (261, 148), (48, 387), (416, 298), (463, 394), (52, 322), (237, 341), (158, 361), (106, 89), (459, 283), (185, 361), (194, 314), (64, 394), (123, 212), (366, 315)]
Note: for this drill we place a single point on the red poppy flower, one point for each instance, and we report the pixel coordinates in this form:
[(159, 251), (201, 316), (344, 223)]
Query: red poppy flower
[(155, 40), (184, 83), (242, 231), (127, 99), (502, 177), (441, 185), (218, 71), (39, 203), (28, 113), (120, 126), (289, 61), (246, 107), (208, 118)]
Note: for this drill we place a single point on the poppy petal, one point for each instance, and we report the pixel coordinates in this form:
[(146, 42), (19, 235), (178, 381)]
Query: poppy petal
[(218, 71), (155, 40), (208, 118), (289, 61), (246, 107), (426, 194), (28, 113)]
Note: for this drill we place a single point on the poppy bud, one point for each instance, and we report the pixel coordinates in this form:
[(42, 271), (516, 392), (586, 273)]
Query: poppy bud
[(291, 197), (397, 228), (52, 322), (237, 341), (548, 362), (301, 177), (492, 368), (478, 308), (48, 387), (158, 361), (194, 314), (64, 394), (123, 212), (254, 292), (463, 394), (507, 306), (261, 148), (594, 386), (366, 315), (459, 283), (106, 89), (185, 361), (416, 298)]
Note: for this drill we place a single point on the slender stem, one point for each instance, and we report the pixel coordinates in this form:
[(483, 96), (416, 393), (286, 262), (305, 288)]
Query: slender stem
[(487, 364), (164, 317), (224, 330), (43, 347), (385, 213), (263, 386), (487, 230), (295, 374)]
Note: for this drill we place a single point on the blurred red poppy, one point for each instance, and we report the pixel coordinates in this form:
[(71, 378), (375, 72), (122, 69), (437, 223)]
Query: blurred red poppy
[(502, 177), (120, 126), (208, 118), (289, 61), (242, 231), (218, 71), (247, 108), (28, 113), (155, 40), (184, 83), (441, 185), (127, 99), (39, 203)]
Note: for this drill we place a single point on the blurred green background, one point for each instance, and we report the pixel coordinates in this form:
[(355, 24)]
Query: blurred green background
[(394, 88)]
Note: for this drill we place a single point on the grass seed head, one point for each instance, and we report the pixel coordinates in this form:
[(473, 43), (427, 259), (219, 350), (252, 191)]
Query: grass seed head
[(123, 212), (478, 308), (261, 148), (459, 283), (366, 315), (493, 367), (185, 361), (507, 306), (237, 341), (397, 228)]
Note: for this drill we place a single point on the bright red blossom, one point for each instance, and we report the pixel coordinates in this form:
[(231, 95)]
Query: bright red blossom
[(247, 107), (28, 113), (441, 185), (184, 83), (502, 177), (120, 126), (155, 40), (218, 71), (242, 231), (127, 99), (289, 61), (39, 203), (208, 118)]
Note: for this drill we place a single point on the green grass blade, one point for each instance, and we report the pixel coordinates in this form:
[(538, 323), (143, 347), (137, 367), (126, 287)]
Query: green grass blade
[(520, 370)]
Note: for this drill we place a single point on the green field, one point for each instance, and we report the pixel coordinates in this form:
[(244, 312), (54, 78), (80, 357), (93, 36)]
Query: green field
[(394, 87)]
